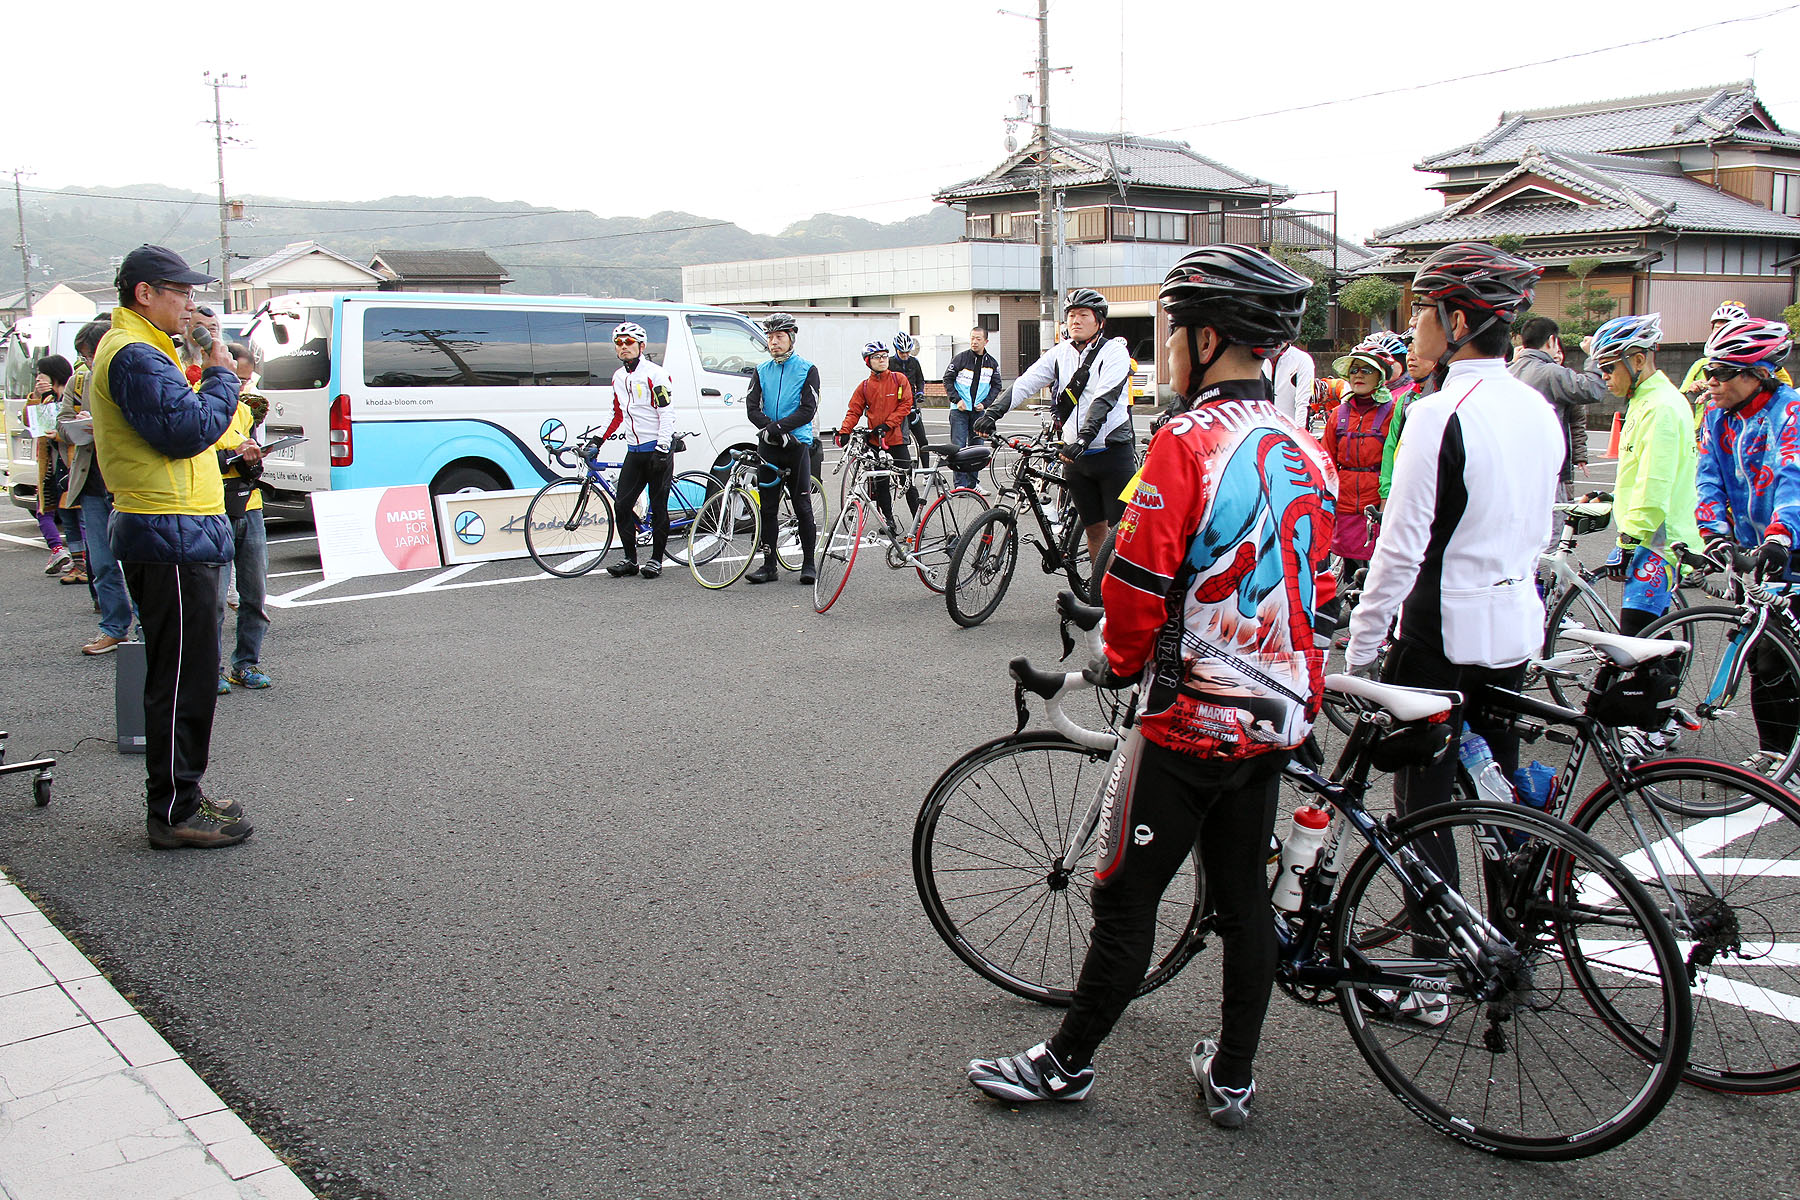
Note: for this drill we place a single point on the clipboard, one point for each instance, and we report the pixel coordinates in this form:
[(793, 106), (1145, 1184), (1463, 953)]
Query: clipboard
[(280, 443)]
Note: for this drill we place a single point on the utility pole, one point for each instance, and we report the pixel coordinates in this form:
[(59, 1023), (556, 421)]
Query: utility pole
[(24, 247), (1046, 234), (220, 124)]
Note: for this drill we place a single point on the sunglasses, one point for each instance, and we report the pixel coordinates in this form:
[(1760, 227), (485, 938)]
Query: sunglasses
[(1364, 371), (1723, 374)]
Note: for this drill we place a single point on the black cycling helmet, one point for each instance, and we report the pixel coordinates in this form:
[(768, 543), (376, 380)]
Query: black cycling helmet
[(780, 323), (1482, 280), (1086, 298), (1247, 296)]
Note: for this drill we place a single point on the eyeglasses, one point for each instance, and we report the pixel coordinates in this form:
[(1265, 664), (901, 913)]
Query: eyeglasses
[(1723, 374), (186, 293)]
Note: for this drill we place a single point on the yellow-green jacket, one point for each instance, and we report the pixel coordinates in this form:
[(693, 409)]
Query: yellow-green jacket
[(1654, 497)]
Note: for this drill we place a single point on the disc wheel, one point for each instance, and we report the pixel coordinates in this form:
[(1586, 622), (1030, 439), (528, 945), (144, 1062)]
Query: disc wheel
[(981, 567), (568, 527), (990, 883)]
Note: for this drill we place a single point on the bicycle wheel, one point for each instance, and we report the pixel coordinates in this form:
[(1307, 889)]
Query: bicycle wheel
[(568, 527), (689, 491), (1001, 464), (934, 539), (981, 567), (839, 556), (723, 538), (1077, 562), (984, 865), (1510, 1058), (1726, 843), (849, 471), (1576, 608), (788, 550), (1756, 726)]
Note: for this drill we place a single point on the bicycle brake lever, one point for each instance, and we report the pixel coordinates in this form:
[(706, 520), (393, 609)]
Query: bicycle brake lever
[(1068, 640), (1022, 709)]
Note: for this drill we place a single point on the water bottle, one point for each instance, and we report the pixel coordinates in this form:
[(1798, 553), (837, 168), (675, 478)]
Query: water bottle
[(1300, 850), (1478, 760)]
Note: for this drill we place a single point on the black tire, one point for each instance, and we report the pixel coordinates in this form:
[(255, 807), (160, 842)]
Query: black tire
[(1526, 1072), (788, 551), (1742, 932), (1107, 549), (1575, 608), (1728, 732), (723, 538), (939, 527), (983, 865), (569, 527), (465, 479), (1077, 562), (981, 567), (687, 493)]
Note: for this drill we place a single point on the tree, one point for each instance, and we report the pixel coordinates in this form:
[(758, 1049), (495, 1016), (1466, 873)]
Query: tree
[(1512, 243), (1791, 315), (1369, 295), (1587, 308), (1316, 324)]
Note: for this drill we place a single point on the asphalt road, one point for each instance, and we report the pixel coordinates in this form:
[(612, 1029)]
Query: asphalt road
[(601, 888)]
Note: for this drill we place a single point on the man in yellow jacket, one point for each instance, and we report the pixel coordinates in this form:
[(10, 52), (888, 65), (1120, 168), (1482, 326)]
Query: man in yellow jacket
[(153, 437)]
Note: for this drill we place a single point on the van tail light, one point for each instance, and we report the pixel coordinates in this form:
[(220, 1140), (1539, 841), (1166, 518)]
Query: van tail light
[(341, 449)]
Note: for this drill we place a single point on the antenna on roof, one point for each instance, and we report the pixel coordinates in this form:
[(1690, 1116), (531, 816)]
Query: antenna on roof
[(1752, 56)]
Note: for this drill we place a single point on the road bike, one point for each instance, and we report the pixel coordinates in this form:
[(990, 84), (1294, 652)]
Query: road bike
[(1500, 930), (726, 534), (987, 554), (935, 532), (569, 523), (1739, 696)]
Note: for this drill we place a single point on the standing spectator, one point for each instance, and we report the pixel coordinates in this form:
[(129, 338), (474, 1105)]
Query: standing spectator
[(782, 401), (243, 363), (1424, 373), (1539, 365), (87, 491), (971, 382), (153, 434), (1354, 437), (1087, 374), (906, 362), (1291, 373), (53, 373), (250, 548)]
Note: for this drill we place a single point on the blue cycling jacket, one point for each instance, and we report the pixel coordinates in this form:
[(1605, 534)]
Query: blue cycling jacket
[(785, 395), (1749, 474)]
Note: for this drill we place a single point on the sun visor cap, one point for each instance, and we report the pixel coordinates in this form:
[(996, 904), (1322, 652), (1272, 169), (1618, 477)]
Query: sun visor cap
[(158, 264)]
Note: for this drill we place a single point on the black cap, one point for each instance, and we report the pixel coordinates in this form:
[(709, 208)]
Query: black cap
[(157, 264)]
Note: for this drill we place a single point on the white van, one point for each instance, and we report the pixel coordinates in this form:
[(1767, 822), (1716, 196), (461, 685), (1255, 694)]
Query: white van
[(27, 343), (456, 391)]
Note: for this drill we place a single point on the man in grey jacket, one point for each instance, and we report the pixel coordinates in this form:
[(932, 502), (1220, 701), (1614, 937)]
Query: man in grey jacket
[(1539, 365)]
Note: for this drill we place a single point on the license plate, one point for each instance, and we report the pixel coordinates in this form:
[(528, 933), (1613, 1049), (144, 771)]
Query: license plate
[(285, 454)]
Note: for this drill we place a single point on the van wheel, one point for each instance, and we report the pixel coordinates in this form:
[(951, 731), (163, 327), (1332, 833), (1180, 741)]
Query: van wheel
[(463, 479)]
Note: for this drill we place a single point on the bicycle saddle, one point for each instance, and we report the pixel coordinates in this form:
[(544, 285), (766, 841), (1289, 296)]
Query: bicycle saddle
[(1624, 651), (969, 458), (1407, 704)]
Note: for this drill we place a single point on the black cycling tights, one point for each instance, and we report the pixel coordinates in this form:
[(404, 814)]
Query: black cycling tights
[(1171, 803), (644, 470), (794, 461)]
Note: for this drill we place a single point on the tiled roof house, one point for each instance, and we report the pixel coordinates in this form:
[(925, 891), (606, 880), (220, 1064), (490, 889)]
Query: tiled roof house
[(1687, 198)]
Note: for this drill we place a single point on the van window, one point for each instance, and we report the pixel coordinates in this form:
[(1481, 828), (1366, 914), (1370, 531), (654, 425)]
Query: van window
[(601, 352), (446, 347), (292, 349), (726, 345), (21, 365), (559, 352)]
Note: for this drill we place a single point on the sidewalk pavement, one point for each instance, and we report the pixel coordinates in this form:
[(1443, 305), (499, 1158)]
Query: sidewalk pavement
[(93, 1102)]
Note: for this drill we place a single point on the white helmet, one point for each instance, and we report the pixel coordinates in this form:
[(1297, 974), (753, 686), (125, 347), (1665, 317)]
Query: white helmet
[(1731, 310), (632, 330), (903, 343), (873, 348)]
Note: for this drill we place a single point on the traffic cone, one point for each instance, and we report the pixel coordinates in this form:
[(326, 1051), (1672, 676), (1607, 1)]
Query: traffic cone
[(1612, 445)]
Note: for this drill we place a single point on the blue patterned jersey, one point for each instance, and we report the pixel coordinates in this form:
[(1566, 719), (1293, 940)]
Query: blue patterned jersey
[(1749, 473)]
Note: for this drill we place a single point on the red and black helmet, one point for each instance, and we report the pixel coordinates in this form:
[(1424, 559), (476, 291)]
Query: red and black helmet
[(1250, 298), (1479, 277)]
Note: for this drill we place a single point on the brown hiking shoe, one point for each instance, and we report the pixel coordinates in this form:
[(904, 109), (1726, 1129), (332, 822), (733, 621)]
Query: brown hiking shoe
[(208, 829)]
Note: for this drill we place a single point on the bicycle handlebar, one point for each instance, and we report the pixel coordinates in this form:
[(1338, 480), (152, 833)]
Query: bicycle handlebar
[(1052, 687)]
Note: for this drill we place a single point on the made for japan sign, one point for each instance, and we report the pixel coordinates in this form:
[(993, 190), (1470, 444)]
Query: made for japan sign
[(375, 531)]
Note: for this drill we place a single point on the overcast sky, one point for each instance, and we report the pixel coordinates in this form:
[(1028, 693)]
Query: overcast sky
[(767, 113)]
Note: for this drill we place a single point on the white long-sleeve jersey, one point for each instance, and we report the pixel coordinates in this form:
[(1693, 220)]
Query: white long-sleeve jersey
[(641, 402), (1103, 410)]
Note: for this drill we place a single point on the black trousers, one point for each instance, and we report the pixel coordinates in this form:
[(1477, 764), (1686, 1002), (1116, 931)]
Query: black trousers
[(645, 470), (790, 465), (1167, 804), (178, 604)]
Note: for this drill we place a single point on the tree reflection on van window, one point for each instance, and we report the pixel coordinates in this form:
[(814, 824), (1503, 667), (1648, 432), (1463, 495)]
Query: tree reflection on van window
[(446, 347), (725, 345)]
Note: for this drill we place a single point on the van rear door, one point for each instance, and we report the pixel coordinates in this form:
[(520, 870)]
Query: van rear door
[(294, 348)]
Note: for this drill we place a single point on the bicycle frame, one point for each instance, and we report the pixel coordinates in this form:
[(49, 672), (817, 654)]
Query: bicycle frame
[(873, 463), (1022, 487)]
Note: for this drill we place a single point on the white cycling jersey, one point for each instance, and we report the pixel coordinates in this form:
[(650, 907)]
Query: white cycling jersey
[(641, 399), (1103, 411)]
